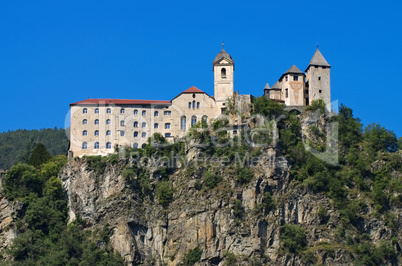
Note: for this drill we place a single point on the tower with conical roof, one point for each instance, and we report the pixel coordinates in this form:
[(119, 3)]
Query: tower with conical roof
[(223, 67), (318, 80)]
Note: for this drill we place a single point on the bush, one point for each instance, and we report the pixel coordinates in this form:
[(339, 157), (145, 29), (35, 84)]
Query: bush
[(164, 193), (316, 105), (244, 175), (293, 238), (268, 202), (211, 180), (192, 256)]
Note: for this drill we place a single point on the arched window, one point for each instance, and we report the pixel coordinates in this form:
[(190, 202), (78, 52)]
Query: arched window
[(193, 104), (223, 73), (122, 111), (108, 145), (183, 121), (189, 105), (156, 113), (135, 134), (143, 145), (85, 110), (287, 93), (156, 125), (122, 133), (84, 122), (96, 132), (144, 112), (108, 111), (84, 133), (135, 145), (205, 118), (198, 105), (84, 145), (96, 121), (143, 134), (135, 112), (135, 124), (193, 120), (96, 110), (96, 145), (122, 123), (108, 133), (108, 122), (144, 124)]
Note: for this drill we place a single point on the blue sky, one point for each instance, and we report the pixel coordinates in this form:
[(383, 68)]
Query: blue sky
[(54, 53)]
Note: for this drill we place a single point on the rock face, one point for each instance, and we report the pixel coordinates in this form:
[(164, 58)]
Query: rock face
[(146, 233), (9, 212)]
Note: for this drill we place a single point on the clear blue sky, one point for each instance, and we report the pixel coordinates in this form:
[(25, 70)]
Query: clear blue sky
[(54, 53)]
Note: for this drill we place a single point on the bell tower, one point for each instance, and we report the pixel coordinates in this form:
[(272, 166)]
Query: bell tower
[(223, 67)]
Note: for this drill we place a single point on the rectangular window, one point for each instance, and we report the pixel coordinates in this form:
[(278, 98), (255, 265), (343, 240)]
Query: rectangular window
[(198, 105), (122, 133), (287, 93), (167, 135), (189, 104), (167, 112), (295, 78), (167, 125), (286, 78), (320, 91)]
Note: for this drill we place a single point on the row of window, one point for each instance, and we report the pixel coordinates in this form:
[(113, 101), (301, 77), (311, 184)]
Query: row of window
[(96, 145), (183, 122), (193, 105), (122, 132), (122, 123), (122, 111), (108, 145)]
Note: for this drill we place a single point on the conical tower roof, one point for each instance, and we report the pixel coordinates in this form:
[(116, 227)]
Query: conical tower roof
[(318, 60), (266, 86)]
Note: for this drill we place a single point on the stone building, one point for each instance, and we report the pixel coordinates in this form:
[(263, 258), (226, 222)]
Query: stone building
[(296, 88), (98, 126)]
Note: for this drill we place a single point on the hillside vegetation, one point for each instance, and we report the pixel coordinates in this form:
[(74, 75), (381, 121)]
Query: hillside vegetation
[(15, 146)]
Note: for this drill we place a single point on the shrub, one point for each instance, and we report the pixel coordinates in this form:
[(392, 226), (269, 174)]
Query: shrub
[(316, 105), (238, 209), (192, 256), (244, 175), (211, 180), (268, 202), (164, 193), (293, 238)]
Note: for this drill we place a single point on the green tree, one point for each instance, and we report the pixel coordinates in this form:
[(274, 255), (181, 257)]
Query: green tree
[(269, 108), (39, 155), (293, 238), (21, 180), (164, 193), (378, 138), (192, 256)]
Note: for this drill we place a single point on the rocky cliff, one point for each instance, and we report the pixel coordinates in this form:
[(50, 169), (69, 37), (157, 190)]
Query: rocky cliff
[(232, 222)]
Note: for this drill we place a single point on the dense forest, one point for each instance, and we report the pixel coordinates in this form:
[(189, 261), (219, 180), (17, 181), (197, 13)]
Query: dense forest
[(15, 146), (365, 183)]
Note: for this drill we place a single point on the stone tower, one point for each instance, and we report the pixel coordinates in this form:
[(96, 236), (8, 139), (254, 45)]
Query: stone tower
[(223, 67), (318, 80)]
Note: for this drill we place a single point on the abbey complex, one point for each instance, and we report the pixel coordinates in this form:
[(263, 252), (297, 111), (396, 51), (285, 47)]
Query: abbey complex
[(98, 126)]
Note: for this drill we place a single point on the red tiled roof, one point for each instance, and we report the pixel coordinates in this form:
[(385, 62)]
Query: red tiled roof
[(193, 90), (118, 102)]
